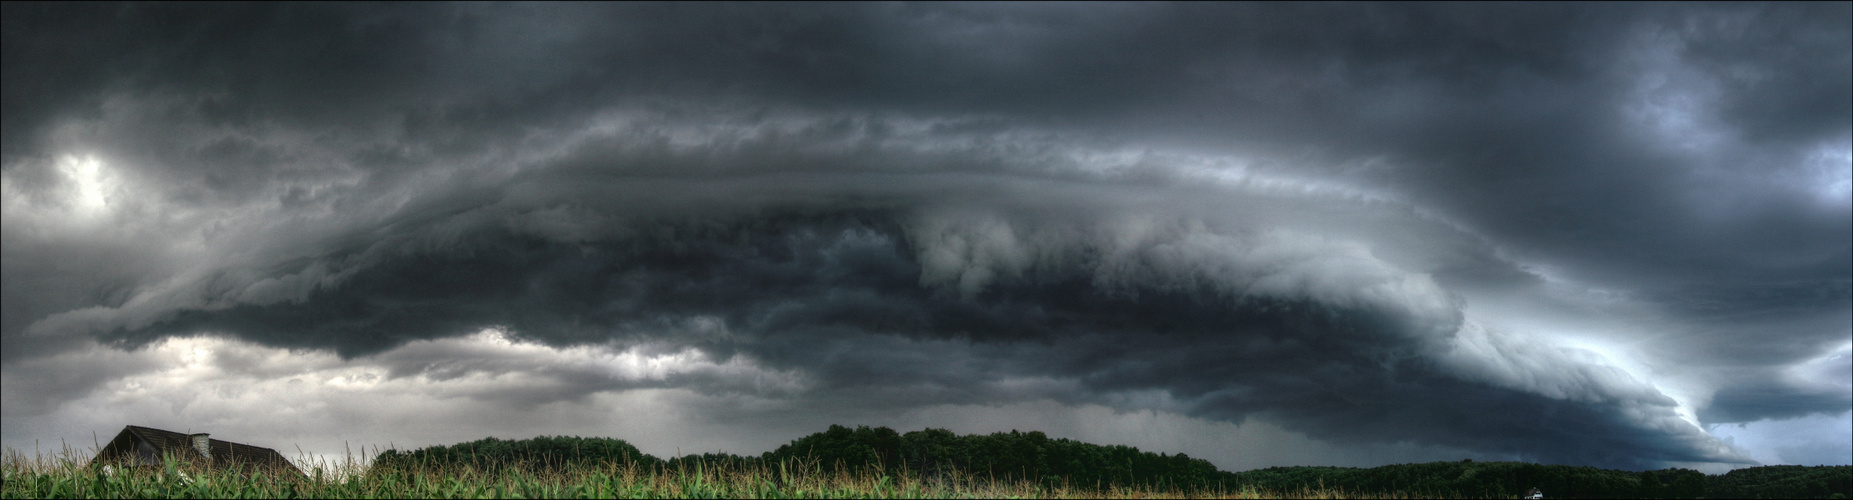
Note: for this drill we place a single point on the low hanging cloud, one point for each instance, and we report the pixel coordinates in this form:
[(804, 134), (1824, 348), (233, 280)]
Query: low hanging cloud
[(1373, 242), (1228, 299)]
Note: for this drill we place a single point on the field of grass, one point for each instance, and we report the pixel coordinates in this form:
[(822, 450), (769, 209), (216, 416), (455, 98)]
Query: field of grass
[(68, 476), (873, 463)]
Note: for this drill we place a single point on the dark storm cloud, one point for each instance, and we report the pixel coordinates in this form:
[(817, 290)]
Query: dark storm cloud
[(933, 204), (1230, 302), (1498, 113), (1775, 401)]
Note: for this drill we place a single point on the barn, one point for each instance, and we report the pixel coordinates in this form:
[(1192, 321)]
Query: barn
[(138, 446)]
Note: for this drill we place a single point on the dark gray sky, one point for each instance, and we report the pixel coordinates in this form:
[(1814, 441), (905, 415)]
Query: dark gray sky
[(1280, 234)]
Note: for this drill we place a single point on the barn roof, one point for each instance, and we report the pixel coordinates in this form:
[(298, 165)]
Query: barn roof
[(181, 446)]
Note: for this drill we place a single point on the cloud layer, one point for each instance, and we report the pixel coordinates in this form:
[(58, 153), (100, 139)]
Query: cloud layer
[(1568, 235)]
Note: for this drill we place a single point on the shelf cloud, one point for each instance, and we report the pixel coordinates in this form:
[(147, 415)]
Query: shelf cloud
[(1571, 234)]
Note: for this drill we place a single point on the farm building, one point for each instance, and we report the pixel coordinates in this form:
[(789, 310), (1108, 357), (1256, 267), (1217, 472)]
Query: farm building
[(138, 446)]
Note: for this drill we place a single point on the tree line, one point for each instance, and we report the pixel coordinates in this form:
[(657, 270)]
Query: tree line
[(1033, 456)]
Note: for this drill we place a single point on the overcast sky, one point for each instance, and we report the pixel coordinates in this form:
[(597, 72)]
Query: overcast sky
[(1262, 234)]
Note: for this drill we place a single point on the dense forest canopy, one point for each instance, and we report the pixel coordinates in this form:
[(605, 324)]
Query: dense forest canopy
[(1033, 456)]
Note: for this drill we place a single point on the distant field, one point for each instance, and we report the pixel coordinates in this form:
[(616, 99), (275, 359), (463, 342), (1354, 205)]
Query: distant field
[(57, 478), (880, 463), (71, 479)]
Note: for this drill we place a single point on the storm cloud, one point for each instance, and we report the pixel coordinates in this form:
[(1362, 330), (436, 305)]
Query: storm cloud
[(1568, 234)]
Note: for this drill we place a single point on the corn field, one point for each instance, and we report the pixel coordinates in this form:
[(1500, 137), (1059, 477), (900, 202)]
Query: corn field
[(70, 475)]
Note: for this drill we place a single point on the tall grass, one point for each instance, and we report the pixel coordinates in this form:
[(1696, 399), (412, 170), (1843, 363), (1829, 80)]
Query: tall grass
[(69, 475)]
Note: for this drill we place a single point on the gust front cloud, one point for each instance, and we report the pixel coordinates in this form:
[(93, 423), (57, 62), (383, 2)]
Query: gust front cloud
[(867, 269), (1363, 234)]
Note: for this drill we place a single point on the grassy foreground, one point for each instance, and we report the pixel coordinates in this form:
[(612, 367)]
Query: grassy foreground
[(68, 476)]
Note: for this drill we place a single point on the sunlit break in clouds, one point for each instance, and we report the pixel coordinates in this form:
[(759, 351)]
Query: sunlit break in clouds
[(1275, 234)]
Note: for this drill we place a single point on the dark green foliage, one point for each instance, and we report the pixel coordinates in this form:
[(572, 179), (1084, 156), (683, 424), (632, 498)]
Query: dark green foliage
[(929, 453), (1783, 481), (1456, 479), (1032, 456), (492, 455), (1002, 456), (710, 461), (1509, 479)]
